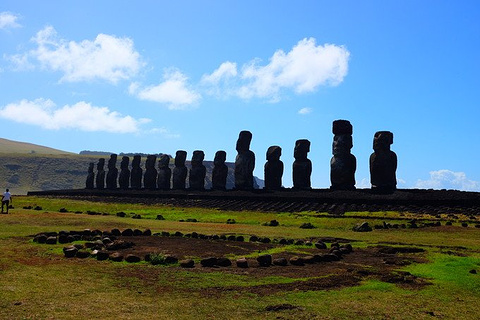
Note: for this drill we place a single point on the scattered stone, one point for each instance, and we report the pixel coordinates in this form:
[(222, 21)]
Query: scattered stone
[(132, 258), (242, 263), (160, 217), (187, 263), (82, 254), (224, 262), (169, 259), (70, 251), (282, 262), (121, 214), (320, 245), (147, 232), (51, 240), (178, 234), (102, 255), (264, 260), (299, 243), (240, 238), (127, 232), (116, 232), (363, 227), (464, 224), (231, 221), (253, 239), (38, 208), (136, 216), (307, 225), (473, 271), (296, 261), (309, 259), (63, 210), (137, 232), (116, 256), (208, 262)]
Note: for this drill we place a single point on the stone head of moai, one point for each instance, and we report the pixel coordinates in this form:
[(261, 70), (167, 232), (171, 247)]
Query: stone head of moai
[(112, 162), (100, 164), (383, 163), (382, 140), (302, 148), (90, 167), (243, 142), (342, 140), (164, 161), (343, 164), (124, 163), (136, 161), (197, 157), (150, 162), (274, 153), (220, 157), (180, 158)]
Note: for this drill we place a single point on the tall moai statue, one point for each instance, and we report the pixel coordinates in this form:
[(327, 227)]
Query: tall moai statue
[(90, 182), (136, 173), (343, 164), (244, 162), (302, 166), (273, 169), (164, 173), (198, 171), (383, 163), (150, 176), (180, 170), (124, 177), (112, 173), (100, 179), (220, 171)]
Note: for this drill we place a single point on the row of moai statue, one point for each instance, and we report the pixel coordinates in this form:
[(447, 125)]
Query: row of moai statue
[(383, 165)]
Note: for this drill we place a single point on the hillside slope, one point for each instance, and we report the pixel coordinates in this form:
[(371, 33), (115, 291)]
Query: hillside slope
[(11, 146)]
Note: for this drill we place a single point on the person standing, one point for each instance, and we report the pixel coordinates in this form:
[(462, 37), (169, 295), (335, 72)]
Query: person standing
[(6, 199)]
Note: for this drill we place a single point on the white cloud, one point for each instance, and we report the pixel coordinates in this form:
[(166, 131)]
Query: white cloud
[(303, 69), (82, 116), (305, 111), (8, 20), (106, 58), (174, 91), (446, 179)]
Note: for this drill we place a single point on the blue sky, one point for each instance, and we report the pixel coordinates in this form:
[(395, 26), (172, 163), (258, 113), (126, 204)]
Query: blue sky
[(159, 76)]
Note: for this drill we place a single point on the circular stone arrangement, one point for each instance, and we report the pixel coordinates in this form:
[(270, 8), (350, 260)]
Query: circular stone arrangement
[(117, 245)]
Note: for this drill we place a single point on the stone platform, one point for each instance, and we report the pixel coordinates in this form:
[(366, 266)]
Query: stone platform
[(288, 200)]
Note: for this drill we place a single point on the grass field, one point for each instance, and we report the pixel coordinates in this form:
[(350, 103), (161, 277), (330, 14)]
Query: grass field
[(37, 282)]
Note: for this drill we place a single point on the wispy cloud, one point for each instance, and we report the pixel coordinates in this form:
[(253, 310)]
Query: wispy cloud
[(107, 57), (8, 20), (447, 179), (82, 116), (173, 91), (305, 111), (303, 69)]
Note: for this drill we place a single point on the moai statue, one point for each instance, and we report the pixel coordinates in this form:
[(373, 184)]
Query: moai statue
[(89, 184), (198, 171), (302, 166), (124, 177), (244, 162), (273, 169), (112, 173), (343, 163), (220, 171), (383, 163), (100, 180), (164, 173), (180, 171), (137, 173), (150, 176)]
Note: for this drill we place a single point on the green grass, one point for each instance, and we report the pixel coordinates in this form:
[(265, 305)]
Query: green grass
[(36, 282)]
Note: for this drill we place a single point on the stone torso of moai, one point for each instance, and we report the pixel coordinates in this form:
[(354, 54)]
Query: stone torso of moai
[(164, 173), (112, 173), (302, 166), (90, 182), (100, 179), (343, 163), (383, 163), (273, 169), (220, 171), (244, 162), (137, 173), (150, 176), (124, 177), (180, 170), (198, 171)]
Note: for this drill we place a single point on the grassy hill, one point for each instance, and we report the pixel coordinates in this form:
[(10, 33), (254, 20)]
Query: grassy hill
[(10, 146)]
